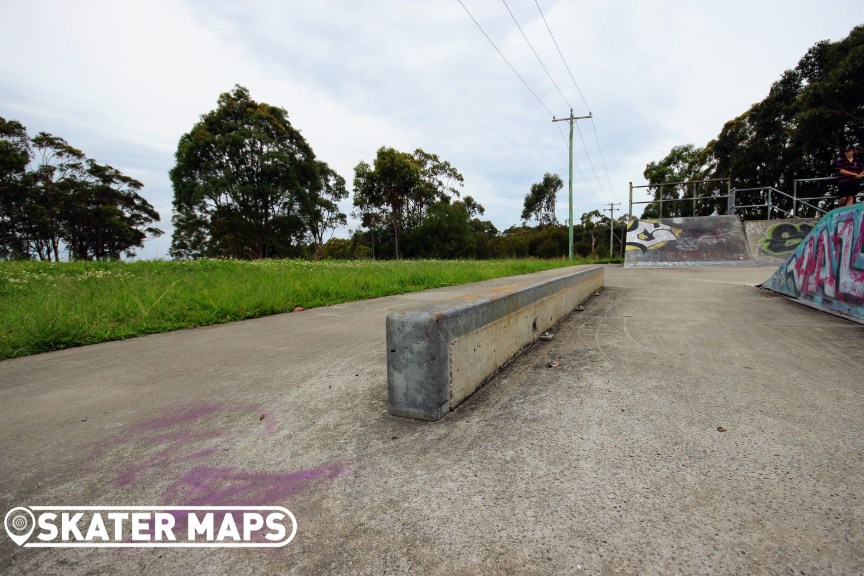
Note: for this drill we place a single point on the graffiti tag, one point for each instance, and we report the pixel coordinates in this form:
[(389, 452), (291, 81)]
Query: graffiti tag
[(827, 268), (645, 235), (700, 243), (782, 238)]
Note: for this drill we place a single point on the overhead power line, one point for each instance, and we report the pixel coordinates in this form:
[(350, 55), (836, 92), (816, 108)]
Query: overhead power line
[(579, 168), (562, 57), (505, 59), (536, 55), (585, 147), (584, 101), (602, 159), (513, 69), (549, 75)]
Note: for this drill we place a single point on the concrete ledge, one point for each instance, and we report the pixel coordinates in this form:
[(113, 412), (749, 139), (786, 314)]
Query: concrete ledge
[(438, 355)]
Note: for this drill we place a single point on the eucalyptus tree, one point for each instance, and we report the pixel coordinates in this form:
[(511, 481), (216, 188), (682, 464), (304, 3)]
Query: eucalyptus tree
[(248, 185), (320, 209), (540, 201), (385, 188), (674, 177), (54, 198), (399, 188), (15, 153)]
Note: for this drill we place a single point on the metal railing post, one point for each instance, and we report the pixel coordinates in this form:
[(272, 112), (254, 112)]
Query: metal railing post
[(730, 197), (795, 198), (630, 208)]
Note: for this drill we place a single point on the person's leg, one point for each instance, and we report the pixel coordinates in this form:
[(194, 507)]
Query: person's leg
[(846, 193), (841, 195)]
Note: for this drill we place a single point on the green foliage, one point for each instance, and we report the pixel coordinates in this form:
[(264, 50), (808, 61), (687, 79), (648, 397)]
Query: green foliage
[(398, 190), (362, 252), (473, 207), (539, 203), (338, 249), (48, 306), (248, 185), (385, 190), (53, 198), (321, 211), (795, 132), (513, 243), (445, 232), (674, 178), (15, 152)]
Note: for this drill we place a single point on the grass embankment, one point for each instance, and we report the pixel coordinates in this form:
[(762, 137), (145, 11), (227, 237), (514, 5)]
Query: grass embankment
[(46, 306)]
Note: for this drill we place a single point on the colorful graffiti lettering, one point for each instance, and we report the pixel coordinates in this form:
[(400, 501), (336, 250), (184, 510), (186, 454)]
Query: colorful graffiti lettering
[(827, 267), (784, 237), (647, 235)]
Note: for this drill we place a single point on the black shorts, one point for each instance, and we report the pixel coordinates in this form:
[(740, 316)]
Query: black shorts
[(845, 189)]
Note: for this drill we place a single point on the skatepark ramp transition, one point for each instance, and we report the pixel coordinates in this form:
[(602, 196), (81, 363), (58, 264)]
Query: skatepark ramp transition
[(712, 241), (826, 269), (772, 241), (684, 242), (820, 262)]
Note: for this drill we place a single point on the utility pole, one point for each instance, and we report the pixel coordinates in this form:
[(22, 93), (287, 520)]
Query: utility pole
[(611, 211), (571, 120)]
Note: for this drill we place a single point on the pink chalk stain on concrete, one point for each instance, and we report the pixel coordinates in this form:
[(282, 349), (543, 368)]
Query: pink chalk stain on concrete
[(170, 439), (179, 417), (225, 486), (160, 430), (166, 458), (175, 441), (267, 419)]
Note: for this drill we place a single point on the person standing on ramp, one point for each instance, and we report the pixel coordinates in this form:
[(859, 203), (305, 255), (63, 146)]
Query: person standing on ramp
[(849, 171)]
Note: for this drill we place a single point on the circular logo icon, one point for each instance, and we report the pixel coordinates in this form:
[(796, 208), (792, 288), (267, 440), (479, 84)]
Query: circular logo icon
[(19, 523)]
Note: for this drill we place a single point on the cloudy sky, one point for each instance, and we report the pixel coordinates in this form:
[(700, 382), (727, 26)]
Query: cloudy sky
[(122, 81)]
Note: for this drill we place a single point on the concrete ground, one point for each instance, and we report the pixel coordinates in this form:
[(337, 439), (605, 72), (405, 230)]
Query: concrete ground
[(612, 462)]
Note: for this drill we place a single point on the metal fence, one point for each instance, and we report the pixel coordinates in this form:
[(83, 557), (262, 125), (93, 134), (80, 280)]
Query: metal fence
[(698, 201), (810, 198)]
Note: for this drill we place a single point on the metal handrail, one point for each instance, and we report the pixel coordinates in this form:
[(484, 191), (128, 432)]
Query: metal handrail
[(795, 191), (731, 197), (694, 199), (769, 205), (680, 183)]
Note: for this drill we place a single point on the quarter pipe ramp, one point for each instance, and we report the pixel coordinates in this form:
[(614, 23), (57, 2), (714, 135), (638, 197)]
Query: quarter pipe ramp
[(683, 242), (826, 270)]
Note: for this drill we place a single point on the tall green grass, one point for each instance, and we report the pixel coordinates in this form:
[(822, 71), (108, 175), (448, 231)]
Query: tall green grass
[(49, 306)]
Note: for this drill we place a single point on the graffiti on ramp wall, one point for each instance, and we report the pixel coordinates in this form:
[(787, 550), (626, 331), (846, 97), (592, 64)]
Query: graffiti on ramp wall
[(783, 237), (685, 242), (647, 235), (827, 268)]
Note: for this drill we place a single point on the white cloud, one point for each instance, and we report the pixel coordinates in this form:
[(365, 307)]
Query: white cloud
[(123, 80)]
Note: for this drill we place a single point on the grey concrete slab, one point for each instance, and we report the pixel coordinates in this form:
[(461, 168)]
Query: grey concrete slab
[(695, 241), (440, 354), (609, 463), (772, 241)]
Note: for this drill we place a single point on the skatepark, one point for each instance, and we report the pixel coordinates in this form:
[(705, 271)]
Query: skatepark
[(683, 421)]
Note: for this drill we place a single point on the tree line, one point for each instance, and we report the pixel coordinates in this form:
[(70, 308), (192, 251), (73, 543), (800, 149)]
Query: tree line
[(248, 185), (54, 200), (796, 132)]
